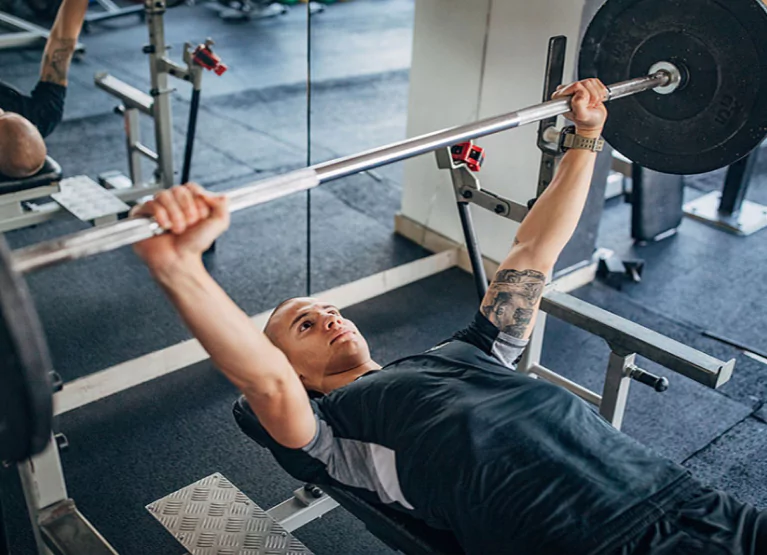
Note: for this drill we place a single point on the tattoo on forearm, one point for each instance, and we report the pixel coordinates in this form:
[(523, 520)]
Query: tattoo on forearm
[(56, 61), (510, 301)]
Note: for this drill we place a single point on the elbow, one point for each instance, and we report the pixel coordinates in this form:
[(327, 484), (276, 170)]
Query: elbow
[(534, 255), (265, 391)]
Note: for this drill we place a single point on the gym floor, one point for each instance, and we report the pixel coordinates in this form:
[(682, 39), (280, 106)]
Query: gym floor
[(140, 445)]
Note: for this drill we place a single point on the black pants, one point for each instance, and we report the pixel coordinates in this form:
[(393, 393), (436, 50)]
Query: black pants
[(708, 523)]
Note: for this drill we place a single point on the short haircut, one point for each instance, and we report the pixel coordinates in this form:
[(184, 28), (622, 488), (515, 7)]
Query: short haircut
[(22, 149), (271, 316)]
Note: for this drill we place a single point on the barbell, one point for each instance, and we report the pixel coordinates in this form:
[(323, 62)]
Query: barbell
[(704, 59)]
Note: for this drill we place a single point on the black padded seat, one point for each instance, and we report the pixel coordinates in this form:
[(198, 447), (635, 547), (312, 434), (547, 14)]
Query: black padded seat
[(49, 173), (395, 528)]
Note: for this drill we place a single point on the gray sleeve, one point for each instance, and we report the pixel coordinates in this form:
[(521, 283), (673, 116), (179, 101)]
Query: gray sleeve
[(481, 333), (330, 459), (358, 464)]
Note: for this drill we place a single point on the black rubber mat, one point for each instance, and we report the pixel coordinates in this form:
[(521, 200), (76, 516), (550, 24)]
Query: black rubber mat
[(142, 444), (158, 437), (706, 277), (135, 447)]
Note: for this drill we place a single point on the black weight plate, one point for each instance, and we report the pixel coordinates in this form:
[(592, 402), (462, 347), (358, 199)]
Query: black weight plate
[(26, 398), (720, 113)]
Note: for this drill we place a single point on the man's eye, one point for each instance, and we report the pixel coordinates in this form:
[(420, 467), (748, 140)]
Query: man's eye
[(305, 325)]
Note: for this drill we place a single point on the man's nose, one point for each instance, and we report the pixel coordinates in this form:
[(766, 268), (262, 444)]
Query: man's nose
[(333, 321)]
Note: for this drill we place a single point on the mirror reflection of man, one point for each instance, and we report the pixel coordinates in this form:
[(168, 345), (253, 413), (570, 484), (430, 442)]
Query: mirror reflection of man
[(26, 119)]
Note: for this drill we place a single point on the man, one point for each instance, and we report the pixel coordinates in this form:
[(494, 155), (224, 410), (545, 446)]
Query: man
[(25, 120), (453, 436)]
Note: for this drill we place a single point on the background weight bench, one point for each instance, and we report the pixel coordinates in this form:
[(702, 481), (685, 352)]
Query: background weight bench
[(15, 192)]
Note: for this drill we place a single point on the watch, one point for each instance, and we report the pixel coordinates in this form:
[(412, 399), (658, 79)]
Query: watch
[(570, 139)]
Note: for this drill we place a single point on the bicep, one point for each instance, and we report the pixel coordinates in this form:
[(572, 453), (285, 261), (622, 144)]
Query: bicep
[(514, 296), (287, 417), (283, 407)]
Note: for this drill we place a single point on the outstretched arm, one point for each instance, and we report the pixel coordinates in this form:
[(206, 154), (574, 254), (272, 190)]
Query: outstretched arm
[(237, 347), (62, 41), (514, 296)]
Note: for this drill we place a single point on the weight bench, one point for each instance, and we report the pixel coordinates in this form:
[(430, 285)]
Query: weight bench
[(49, 174), (395, 528), (16, 191), (78, 195), (626, 340)]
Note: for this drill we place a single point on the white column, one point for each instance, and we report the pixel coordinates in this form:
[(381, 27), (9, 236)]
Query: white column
[(473, 60)]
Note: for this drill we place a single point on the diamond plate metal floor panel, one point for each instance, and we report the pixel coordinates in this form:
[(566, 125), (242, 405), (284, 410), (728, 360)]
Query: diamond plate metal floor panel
[(213, 517)]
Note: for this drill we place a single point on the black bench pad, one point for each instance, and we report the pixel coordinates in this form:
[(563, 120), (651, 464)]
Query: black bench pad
[(395, 528), (48, 174)]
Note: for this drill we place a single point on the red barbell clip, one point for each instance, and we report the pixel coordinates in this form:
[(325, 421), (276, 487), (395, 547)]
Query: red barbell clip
[(203, 56), (468, 153)]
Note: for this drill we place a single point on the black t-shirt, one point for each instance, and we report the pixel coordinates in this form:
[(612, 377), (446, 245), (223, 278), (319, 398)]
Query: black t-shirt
[(44, 107), (511, 464)]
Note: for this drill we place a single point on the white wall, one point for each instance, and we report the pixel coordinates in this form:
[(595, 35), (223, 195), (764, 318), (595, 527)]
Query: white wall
[(473, 60)]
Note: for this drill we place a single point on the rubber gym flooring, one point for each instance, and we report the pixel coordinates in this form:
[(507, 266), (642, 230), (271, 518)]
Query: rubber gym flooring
[(135, 447)]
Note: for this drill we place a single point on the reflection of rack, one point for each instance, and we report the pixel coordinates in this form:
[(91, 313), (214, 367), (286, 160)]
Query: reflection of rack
[(24, 34), (111, 11), (259, 9)]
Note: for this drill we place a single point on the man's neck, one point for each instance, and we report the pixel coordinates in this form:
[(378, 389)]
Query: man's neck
[(341, 379)]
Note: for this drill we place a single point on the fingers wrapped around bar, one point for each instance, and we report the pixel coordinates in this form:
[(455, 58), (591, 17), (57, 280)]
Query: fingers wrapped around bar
[(194, 219), (588, 111)]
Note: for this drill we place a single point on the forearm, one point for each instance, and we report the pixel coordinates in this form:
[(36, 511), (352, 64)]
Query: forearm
[(552, 221), (236, 346), (62, 40), (513, 298)]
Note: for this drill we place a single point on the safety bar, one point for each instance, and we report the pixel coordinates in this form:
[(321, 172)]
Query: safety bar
[(551, 376), (127, 94), (146, 152), (66, 531), (625, 337), (29, 34)]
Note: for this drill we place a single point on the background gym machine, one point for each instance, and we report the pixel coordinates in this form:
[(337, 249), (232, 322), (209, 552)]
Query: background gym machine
[(157, 105), (83, 197)]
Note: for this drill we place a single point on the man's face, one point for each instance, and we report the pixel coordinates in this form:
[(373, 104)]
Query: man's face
[(317, 340)]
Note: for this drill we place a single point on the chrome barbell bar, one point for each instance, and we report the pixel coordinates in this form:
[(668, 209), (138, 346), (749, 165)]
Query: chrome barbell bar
[(132, 230)]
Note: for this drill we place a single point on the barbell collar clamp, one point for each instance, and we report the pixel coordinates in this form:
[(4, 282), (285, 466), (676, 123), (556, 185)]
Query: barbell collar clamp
[(673, 77)]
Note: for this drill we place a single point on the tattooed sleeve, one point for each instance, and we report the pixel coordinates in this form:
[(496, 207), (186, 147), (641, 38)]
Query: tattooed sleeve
[(511, 300), (56, 61)]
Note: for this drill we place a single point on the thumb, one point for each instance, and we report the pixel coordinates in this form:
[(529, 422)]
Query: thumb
[(218, 204), (579, 100), (219, 209)]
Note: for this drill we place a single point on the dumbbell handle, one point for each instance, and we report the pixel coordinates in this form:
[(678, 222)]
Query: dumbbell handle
[(658, 383)]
